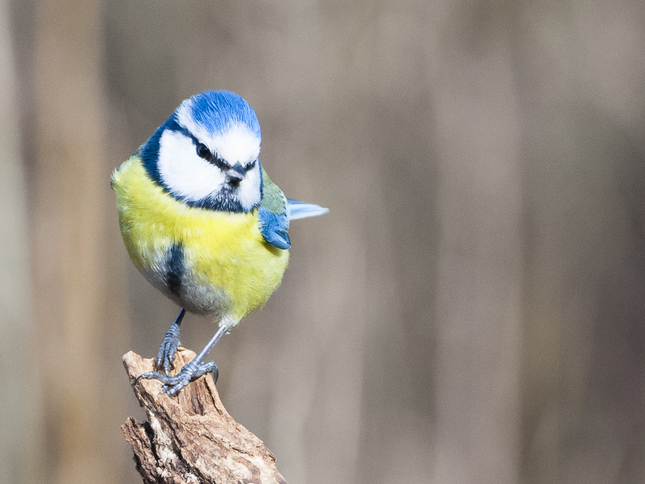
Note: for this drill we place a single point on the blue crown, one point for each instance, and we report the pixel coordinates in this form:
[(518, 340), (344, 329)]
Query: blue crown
[(217, 110)]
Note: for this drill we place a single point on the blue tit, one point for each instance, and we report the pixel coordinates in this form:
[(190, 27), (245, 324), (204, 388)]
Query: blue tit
[(202, 221)]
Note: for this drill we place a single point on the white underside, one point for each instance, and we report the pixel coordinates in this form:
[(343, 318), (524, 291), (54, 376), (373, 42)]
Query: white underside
[(194, 297)]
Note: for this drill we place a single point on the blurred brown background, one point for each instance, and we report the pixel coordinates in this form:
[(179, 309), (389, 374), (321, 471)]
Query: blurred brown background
[(471, 310)]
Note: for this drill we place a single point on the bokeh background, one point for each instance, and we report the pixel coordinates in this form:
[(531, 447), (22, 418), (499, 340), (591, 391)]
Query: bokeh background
[(472, 310)]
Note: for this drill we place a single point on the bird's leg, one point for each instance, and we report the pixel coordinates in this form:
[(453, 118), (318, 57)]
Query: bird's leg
[(169, 345), (190, 371)]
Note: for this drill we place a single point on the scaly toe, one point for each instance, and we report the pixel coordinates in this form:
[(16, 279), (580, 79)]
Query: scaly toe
[(191, 371)]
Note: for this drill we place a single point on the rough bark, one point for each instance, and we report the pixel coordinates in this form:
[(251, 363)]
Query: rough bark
[(191, 437)]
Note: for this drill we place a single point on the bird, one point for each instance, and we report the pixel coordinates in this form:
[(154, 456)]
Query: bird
[(203, 222)]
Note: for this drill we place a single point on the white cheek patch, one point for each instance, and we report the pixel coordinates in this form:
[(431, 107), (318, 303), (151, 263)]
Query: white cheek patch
[(249, 192), (194, 179), (183, 171)]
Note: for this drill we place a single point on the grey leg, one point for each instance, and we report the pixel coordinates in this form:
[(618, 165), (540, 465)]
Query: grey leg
[(190, 371)]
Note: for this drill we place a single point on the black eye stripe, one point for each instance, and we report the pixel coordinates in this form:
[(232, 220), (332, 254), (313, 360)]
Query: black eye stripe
[(220, 163), (206, 154), (203, 152)]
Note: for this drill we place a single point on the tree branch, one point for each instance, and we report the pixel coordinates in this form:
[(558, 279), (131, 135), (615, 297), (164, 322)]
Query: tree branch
[(191, 438)]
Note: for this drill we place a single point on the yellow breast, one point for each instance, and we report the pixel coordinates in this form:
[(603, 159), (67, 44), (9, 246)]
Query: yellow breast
[(227, 267)]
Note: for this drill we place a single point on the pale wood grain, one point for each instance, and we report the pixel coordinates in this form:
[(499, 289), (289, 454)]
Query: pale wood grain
[(191, 437)]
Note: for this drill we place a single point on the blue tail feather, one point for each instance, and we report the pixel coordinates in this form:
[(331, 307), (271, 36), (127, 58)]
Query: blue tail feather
[(296, 209)]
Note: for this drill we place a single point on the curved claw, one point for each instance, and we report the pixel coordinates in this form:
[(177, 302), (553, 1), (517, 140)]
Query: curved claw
[(150, 375), (191, 371)]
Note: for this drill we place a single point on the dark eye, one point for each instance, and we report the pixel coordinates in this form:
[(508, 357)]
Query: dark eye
[(249, 166), (203, 151)]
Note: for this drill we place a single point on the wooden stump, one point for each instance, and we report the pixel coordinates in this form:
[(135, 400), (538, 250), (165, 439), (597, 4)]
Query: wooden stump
[(191, 438)]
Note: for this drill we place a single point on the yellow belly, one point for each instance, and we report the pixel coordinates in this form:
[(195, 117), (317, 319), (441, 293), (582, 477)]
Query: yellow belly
[(228, 268)]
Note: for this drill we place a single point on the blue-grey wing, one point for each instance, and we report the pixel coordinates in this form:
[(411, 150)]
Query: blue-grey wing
[(274, 223), (274, 227)]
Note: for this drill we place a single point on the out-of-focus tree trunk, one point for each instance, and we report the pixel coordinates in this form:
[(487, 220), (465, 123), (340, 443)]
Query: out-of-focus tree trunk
[(20, 418), (479, 275), (580, 75), (71, 251)]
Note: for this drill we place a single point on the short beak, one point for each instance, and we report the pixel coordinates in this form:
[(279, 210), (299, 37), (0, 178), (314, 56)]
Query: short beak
[(235, 174)]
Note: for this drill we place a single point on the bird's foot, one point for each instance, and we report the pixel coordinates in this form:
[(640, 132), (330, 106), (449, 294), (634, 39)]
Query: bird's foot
[(167, 349), (169, 345), (191, 371)]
